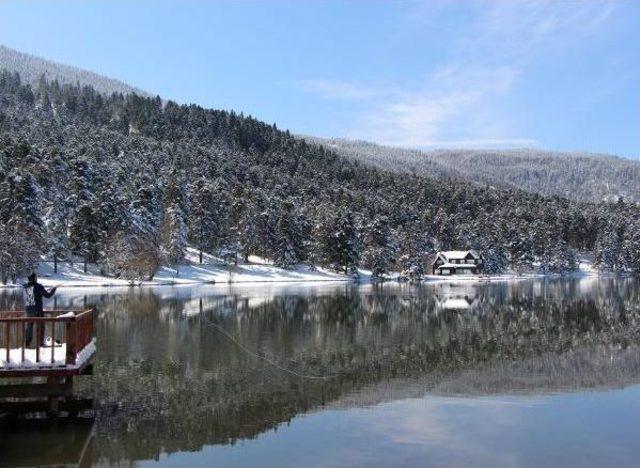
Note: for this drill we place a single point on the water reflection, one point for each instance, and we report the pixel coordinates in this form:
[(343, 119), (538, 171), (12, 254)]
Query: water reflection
[(65, 442), (167, 380)]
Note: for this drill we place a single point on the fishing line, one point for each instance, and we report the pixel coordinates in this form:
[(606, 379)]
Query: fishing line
[(264, 358)]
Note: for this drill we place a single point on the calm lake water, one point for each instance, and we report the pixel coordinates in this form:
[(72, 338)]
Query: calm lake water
[(531, 373)]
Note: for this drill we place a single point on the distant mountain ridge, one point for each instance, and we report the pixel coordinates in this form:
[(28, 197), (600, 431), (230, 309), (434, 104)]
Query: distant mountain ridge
[(31, 68), (577, 176)]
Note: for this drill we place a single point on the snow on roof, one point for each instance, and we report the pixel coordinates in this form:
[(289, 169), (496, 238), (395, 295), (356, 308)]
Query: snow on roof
[(457, 265), (457, 254)]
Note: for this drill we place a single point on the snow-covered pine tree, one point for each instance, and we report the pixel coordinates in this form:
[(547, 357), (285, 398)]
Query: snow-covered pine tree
[(84, 235), (631, 247), (174, 232), (256, 229), (562, 258), (415, 247), (57, 237), (609, 255), (519, 248), (490, 245), (379, 247), (175, 242), (22, 226), (291, 236), (443, 228), (203, 216), (145, 224), (336, 240)]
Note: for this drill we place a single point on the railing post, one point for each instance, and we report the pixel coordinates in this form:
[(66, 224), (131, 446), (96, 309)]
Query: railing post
[(7, 339), (70, 327), (23, 341), (53, 340), (37, 333)]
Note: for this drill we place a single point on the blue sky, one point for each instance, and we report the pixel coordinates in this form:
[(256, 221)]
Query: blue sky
[(557, 75)]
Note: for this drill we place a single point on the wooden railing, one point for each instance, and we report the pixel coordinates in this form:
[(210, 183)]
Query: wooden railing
[(75, 328)]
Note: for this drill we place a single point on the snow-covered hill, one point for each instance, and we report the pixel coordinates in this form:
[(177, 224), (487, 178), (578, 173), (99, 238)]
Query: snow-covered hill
[(31, 68), (573, 175)]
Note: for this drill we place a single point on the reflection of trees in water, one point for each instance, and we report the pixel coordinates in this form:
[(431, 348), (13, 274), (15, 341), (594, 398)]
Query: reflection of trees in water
[(601, 366), (166, 381)]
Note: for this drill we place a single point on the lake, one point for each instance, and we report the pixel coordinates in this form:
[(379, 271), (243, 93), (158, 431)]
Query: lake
[(528, 373)]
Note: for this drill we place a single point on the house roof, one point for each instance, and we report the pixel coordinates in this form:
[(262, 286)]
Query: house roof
[(454, 255), (457, 254), (457, 265)]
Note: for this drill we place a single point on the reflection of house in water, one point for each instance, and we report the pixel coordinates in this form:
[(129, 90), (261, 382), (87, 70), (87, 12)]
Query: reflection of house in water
[(456, 297)]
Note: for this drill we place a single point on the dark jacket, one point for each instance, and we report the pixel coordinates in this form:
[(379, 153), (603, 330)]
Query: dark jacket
[(33, 294)]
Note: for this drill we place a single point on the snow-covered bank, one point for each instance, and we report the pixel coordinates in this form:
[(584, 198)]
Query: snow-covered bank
[(257, 270), (73, 275)]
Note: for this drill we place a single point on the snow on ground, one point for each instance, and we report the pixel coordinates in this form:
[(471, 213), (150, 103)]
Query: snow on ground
[(256, 270), (58, 353), (585, 263), (213, 270)]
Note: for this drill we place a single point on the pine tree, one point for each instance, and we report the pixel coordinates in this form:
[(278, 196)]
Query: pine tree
[(562, 258), (203, 217), (609, 255), (145, 212), (22, 226), (84, 235), (291, 232), (57, 233), (631, 247), (379, 247), (174, 233), (175, 242), (336, 241), (415, 246), (519, 247)]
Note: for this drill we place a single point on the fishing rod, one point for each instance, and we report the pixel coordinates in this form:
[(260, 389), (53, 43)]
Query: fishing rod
[(225, 333)]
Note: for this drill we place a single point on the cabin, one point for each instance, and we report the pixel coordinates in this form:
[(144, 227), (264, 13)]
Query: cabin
[(457, 262)]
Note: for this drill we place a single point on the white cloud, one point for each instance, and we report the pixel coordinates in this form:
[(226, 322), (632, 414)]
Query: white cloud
[(463, 102), (453, 97)]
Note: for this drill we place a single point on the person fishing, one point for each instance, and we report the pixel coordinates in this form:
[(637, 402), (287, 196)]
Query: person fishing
[(33, 294)]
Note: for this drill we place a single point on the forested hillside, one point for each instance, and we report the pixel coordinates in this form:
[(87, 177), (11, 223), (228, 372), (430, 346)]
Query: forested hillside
[(127, 181), (32, 68), (578, 176)]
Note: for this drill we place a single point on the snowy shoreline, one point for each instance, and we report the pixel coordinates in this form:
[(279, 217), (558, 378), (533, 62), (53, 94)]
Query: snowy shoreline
[(255, 271)]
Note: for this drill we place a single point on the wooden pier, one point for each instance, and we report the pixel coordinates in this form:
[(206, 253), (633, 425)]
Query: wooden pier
[(48, 369)]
